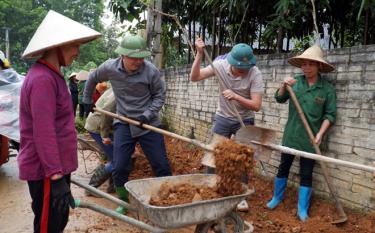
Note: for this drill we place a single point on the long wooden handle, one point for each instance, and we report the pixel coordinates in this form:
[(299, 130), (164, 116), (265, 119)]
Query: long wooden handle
[(155, 129), (225, 85), (318, 157), (317, 150)]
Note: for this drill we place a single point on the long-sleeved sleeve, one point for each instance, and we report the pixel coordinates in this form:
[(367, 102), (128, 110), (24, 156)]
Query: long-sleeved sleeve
[(158, 92), (330, 107), (95, 77), (43, 112), (105, 120)]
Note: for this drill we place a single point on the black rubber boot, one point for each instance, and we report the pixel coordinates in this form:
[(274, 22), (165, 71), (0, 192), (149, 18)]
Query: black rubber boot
[(111, 186), (98, 178)]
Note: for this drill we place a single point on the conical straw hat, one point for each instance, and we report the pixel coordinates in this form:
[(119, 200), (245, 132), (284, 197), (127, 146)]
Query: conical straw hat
[(82, 75), (314, 53), (57, 30)]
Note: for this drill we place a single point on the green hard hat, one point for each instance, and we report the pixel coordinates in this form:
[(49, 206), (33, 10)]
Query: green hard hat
[(133, 46), (241, 56)]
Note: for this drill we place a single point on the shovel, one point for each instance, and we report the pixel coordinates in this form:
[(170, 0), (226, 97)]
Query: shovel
[(157, 130), (265, 139), (340, 209)]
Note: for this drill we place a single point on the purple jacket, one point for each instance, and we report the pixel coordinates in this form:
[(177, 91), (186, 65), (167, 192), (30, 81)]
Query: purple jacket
[(48, 135)]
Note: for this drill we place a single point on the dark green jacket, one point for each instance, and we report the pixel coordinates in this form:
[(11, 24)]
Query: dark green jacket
[(81, 88), (318, 103)]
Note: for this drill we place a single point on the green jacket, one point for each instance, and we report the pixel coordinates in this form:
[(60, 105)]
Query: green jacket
[(81, 87), (318, 103)]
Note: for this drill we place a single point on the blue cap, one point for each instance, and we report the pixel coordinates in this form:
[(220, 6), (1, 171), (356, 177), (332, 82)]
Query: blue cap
[(241, 56)]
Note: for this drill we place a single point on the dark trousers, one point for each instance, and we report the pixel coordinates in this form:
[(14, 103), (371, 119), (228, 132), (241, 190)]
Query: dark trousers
[(84, 110), (306, 167), (108, 150), (152, 145), (56, 222), (75, 104)]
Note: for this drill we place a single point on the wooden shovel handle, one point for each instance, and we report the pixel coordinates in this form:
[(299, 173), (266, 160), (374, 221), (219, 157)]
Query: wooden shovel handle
[(225, 85), (156, 129), (317, 150)]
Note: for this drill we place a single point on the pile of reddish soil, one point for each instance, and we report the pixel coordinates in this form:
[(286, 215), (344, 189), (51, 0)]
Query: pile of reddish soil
[(185, 159), (232, 162), (169, 195)]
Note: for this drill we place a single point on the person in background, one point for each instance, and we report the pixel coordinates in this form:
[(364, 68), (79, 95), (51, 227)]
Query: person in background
[(238, 69), (99, 90), (73, 88), (140, 94), (10, 86), (84, 110), (99, 127), (318, 101), (48, 150)]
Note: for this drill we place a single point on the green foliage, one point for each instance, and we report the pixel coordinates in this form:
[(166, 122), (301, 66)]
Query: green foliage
[(165, 114), (24, 16), (303, 44), (80, 125)]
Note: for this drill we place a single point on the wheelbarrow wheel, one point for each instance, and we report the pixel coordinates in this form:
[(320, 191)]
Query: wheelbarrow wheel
[(231, 223)]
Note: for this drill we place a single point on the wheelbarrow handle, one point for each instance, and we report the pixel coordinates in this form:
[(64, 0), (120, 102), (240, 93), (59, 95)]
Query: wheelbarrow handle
[(121, 217), (103, 194)]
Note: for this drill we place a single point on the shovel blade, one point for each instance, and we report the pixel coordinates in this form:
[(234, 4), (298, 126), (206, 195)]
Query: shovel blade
[(208, 157), (259, 134)]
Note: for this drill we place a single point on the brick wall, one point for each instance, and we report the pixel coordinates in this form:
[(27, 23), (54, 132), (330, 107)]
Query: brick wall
[(190, 107)]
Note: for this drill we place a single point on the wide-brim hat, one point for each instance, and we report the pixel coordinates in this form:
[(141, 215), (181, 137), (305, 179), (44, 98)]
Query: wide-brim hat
[(314, 53), (57, 30), (133, 46), (74, 74), (82, 75), (241, 56)]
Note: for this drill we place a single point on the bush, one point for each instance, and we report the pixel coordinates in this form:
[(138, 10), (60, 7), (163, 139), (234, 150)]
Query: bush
[(80, 125)]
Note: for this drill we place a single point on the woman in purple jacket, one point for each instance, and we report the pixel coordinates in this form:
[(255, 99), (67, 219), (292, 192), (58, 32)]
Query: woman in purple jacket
[(48, 152)]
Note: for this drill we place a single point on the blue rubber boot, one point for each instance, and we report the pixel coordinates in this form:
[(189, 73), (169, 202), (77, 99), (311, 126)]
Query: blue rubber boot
[(278, 192), (304, 196)]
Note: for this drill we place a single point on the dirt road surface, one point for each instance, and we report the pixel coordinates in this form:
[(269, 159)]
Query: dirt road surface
[(16, 215)]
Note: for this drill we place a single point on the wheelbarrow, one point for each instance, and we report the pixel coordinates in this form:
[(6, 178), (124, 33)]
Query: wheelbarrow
[(217, 214), (86, 143)]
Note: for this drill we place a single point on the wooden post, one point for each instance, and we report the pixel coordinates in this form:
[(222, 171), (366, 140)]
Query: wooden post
[(157, 49)]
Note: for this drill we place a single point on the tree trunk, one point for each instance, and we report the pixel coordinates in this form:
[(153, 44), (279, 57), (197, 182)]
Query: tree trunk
[(342, 35), (150, 24), (213, 36), (219, 34), (157, 47), (280, 40), (365, 31), (189, 49), (260, 35)]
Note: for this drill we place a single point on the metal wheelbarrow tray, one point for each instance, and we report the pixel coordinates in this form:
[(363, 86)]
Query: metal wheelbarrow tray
[(185, 214)]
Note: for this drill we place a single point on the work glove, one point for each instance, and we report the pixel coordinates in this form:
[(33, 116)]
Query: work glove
[(61, 197), (142, 119)]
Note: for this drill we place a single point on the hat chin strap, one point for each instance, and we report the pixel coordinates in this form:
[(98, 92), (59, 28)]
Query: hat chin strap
[(60, 57)]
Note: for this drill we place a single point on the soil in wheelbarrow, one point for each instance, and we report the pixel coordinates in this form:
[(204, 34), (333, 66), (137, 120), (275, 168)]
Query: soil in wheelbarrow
[(232, 162)]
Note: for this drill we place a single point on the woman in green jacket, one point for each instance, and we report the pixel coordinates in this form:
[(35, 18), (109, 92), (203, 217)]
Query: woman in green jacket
[(318, 101)]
